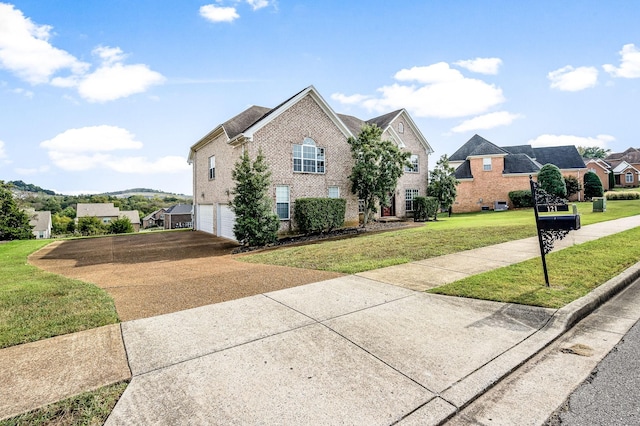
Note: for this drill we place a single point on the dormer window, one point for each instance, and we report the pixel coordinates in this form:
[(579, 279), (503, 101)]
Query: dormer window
[(486, 164)]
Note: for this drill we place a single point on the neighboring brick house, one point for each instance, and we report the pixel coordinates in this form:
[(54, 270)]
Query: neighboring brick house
[(106, 212), (600, 168), (155, 218), (625, 167), (487, 172), (305, 145), (179, 216)]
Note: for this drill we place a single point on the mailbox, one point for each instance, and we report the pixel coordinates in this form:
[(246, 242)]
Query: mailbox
[(567, 222)]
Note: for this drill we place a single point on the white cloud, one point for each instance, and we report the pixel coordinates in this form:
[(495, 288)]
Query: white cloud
[(26, 93), (32, 171), (26, 51), (487, 121), (629, 64), (215, 13), (599, 141), (481, 65), (437, 91), (570, 79), (258, 4), (94, 147)]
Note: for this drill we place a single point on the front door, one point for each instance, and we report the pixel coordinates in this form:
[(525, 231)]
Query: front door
[(390, 210)]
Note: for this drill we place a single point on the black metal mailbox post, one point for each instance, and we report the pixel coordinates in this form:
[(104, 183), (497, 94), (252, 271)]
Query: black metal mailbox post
[(551, 228)]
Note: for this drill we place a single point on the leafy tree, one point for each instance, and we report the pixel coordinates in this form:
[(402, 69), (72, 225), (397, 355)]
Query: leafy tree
[(14, 222), (91, 225), (442, 183), (550, 179), (377, 168), (593, 152), (60, 223), (256, 223), (592, 185), (573, 185), (120, 226), (69, 212)]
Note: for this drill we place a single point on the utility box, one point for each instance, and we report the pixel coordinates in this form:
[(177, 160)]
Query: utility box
[(599, 204), (500, 206)]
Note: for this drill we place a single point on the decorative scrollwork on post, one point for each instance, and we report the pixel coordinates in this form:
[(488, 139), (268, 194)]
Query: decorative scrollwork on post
[(550, 236)]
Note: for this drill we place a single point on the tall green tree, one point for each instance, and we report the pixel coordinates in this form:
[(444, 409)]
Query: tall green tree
[(573, 185), (256, 223), (593, 152), (14, 222), (120, 226), (91, 225), (442, 183), (592, 185), (550, 179), (377, 167)]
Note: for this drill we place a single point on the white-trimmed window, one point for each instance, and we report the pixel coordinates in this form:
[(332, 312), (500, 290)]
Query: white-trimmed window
[(486, 164), (409, 197), (628, 177), (415, 165), (212, 167), (308, 158), (334, 192), (401, 127), (282, 202)]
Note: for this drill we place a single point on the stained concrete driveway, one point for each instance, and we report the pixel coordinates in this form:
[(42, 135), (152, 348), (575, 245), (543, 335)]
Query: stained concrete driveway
[(158, 273)]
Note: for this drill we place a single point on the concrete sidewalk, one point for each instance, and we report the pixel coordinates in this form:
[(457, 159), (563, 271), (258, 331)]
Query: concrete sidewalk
[(363, 349)]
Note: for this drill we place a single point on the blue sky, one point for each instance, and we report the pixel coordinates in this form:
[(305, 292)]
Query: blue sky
[(102, 96)]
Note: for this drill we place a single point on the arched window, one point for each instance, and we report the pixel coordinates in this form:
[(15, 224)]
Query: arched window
[(308, 158), (401, 127)]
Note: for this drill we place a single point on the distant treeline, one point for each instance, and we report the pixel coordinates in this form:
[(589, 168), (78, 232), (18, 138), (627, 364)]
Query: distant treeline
[(20, 185)]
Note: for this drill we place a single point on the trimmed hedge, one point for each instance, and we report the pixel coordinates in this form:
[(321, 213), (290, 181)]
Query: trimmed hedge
[(521, 199), (319, 214), (629, 195), (424, 208)]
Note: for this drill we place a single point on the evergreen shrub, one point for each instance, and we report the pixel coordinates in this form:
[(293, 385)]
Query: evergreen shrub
[(521, 199), (314, 215)]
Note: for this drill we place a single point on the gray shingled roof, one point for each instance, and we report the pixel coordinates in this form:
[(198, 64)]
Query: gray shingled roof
[(245, 119), (520, 163), (40, 220), (180, 209), (477, 145), (96, 209), (354, 124), (464, 171), (520, 149), (565, 157), (133, 215), (631, 156), (384, 120)]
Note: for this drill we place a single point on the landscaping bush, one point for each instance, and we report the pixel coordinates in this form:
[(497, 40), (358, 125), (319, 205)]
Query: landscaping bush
[(424, 208), (550, 179), (91, 225), (573, 185), (521, 199), (592, 185), (120, 226), (630, 195), (319, 214)]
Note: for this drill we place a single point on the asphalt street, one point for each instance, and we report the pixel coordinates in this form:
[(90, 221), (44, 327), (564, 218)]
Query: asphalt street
[(611, 393)]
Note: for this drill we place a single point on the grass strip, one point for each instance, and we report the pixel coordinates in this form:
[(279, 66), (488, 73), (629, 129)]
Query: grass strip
[(35, 304), (89, 408), (447, 235), (573, 273)]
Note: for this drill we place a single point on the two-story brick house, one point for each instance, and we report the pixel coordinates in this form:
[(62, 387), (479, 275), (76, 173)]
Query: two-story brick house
[(305, 145), (487, 172)]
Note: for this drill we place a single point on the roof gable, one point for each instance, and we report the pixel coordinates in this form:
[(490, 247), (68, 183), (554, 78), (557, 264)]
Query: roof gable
[(476, 146)]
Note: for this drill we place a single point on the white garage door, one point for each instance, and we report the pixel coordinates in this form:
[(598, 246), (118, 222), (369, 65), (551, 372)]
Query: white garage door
[(226, 220), (204, 217)]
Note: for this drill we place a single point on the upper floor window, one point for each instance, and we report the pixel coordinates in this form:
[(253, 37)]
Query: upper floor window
[(334, 192), (628, 178), (486, 164), (212, 167), (308, 158), (401, 127), (415, 165)]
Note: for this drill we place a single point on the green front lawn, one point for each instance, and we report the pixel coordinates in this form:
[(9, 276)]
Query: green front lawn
[(447, 235), (35, 304)]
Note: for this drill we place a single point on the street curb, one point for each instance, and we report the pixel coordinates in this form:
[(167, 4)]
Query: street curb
[(473, 386)]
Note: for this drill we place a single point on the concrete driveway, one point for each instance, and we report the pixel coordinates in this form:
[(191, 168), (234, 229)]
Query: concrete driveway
[(159, 273)]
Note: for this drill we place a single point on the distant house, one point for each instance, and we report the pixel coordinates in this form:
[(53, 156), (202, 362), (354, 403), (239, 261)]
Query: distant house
[(625, 167), (487, 172), (41, 222), (601, 168), (106, 212), (304, 142), (178, 217), (155, 218)]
